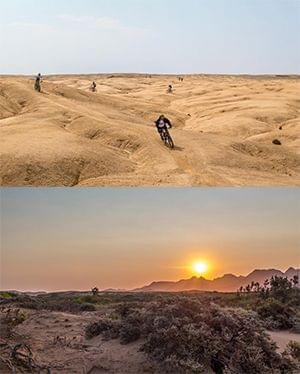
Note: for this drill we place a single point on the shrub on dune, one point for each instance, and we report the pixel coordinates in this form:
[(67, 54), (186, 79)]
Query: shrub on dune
[(280, 315), (109, 328), (186, 336)]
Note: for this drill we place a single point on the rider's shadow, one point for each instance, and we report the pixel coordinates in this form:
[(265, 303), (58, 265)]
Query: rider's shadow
[(177, 148)]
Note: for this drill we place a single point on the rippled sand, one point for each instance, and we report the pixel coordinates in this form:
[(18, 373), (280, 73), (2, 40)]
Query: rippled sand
[(224, 129)]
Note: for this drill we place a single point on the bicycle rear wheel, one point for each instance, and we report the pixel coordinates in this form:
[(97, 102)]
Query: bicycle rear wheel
[(170, 142)]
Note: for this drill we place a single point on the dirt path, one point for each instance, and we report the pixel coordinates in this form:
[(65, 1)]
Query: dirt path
[(58, 341), (282, 338)]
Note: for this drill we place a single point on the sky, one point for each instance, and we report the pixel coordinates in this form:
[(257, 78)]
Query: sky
[(154, 36), (62, 239)]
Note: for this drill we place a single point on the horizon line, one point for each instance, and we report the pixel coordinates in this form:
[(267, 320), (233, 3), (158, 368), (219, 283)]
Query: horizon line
[(156, 74), (136, 289)]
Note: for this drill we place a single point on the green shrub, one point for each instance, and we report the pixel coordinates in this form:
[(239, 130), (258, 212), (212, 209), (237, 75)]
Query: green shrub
[(86, 307), (7, 295), (280, 315)]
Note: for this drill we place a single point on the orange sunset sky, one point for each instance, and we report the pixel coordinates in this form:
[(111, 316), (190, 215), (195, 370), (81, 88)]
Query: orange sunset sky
[(52, 239)]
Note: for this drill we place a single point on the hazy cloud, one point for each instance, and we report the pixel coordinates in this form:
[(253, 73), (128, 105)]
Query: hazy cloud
[(30, 25), (207, 36), (105, 23)]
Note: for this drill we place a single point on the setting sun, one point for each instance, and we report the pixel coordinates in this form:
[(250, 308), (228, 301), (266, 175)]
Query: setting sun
[(200, 268)]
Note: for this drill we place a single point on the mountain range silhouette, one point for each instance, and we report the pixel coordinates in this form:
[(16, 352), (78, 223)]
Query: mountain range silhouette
[(226, 283)]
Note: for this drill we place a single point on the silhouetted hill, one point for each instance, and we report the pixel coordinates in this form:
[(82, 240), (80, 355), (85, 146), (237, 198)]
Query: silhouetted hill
[(226, 283)]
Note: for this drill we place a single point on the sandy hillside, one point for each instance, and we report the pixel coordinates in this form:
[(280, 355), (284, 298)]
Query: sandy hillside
[(223, 130)]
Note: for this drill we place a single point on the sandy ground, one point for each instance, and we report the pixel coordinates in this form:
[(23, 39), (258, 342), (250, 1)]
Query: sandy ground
[(223, 130), (57, 340), (282, 338)]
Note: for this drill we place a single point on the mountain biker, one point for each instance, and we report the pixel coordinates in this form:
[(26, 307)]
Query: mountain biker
[(162, 124), (38, 81), (94, 86)]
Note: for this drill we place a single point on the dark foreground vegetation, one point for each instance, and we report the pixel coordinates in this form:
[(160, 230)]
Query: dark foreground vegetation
[(188, 332), (186, 335), (277, 302)]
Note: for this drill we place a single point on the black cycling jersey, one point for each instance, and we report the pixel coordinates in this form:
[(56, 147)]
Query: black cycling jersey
[(162, 123)]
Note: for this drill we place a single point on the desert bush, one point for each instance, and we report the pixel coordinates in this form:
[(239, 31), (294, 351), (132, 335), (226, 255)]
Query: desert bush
[(129, 333), (110, 329), (87, 307), (187, 336), (296, 327), (10, 298), (90, 299), (58, 304), (293, 349), (7, 295), (291, 355), (124, 309), (15, 317), (213, 338), (280, 316), (276, 301), (279, 288), (10, 318)]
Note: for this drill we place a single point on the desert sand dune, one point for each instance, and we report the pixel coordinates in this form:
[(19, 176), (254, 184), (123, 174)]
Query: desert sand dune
[(224, 129)]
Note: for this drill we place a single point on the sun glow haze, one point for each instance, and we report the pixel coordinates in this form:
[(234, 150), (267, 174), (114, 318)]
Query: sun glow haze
[(112, 238), (200, 268)]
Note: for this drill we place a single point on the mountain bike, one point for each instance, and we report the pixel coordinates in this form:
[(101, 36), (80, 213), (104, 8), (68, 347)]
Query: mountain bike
[(37, 86), (167, 139)]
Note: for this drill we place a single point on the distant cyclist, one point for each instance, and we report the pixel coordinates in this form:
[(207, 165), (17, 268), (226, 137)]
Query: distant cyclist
[(38, 83), (170, 89), (94, 87), (162, 124)]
